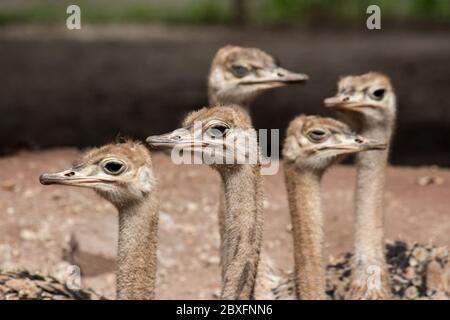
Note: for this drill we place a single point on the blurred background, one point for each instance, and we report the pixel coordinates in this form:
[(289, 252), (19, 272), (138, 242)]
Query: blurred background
[(137, 67)]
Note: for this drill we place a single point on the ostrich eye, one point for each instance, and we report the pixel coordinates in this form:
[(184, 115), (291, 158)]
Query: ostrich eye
[(218, 131), (240, 71), (113, 167), (378, 94), (316, 134)]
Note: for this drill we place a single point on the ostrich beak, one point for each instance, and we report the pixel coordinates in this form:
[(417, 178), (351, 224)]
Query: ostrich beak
[(342, 103), (70, 177), (56, 178), (347, 103), (374, 145), (352, 143), (163, 141), (278, 77), (358, 143), (177, 138)]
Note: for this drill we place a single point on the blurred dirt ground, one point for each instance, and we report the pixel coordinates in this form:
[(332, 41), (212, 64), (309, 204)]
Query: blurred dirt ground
[(46, 228)]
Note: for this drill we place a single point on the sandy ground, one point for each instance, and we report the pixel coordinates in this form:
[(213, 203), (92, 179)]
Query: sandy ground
[(40, 224)]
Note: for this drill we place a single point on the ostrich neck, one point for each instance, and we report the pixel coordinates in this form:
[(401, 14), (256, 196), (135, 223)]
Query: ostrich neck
[(242, 230), (240, 100), (215, 100), (307, 220), (136, 258), (371, 176)]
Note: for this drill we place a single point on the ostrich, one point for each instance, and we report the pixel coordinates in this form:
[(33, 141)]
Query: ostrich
[(312, 145), (238, 75), (212, 131), (122, 174), (367, 103)]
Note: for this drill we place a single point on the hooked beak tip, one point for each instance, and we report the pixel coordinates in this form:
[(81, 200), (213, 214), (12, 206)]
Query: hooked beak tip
[(330, 103), (297, 78), (370, 145), (158, 142), (44, 179), (151, 140)]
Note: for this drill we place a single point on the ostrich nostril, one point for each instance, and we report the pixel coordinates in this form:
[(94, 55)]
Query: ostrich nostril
[(346, 99), (280, 74), (70, 174), (358, 140)]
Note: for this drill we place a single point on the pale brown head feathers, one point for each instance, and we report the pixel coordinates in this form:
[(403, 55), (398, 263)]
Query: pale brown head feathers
[(238, 74), (219, 135), (232, 115), (315, 143), (120, 172), (370, 97)]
